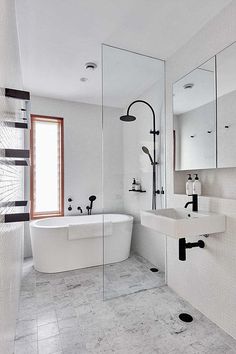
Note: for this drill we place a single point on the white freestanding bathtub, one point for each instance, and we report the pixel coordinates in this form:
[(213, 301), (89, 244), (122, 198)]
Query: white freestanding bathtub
[(72, 242)]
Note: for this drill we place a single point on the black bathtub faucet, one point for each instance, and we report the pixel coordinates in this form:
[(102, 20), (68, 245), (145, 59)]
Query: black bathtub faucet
[(194, 202), (89, 208), (80, 209)]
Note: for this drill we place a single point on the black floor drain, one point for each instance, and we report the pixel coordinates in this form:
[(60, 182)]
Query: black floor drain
[(185, 317), (154, 270)]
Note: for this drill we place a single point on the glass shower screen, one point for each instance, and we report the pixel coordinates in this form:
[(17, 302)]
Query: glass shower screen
[(129, 252)]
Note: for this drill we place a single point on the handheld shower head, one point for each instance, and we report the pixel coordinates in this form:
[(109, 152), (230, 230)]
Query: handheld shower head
[(146, 151), (92, 198)]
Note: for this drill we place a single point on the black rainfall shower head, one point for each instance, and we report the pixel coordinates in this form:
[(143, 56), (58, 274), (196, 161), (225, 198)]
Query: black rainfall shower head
[(146, 151), (127, 118)]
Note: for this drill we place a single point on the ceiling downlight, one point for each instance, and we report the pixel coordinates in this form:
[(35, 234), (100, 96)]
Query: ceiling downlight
[(188, 86), (90, 66)]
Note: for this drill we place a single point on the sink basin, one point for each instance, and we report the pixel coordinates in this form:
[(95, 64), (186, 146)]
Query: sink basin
[(180, 223)]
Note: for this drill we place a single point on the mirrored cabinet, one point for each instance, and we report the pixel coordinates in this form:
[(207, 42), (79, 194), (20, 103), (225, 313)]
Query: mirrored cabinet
[(226, 107), (204, 113), (195, 119)]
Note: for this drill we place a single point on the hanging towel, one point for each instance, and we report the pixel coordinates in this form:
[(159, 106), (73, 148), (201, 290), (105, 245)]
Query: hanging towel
[(92, 230)]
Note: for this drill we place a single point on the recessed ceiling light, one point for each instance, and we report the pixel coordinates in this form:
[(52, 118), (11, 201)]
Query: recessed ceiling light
[(83, 79), (90, 66), (188, 86)]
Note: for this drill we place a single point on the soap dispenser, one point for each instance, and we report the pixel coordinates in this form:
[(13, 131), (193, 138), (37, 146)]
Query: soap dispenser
[(197, 187), (133, 184), (189, 185), (137, 185)]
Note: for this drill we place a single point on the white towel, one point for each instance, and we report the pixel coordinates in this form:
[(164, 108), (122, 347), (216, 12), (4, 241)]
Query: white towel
[(92, 230)]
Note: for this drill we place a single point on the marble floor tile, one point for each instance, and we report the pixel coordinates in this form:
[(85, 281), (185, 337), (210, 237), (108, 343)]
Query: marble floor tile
[(71, 339), (65, 313), (48, 330), (26, 328), (26, 347), (50, 345), (46, 317), (68, 324)]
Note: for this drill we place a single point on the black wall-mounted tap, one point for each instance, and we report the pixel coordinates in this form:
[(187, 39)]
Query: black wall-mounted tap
[(194, 203), (70, 200), (80, 209)]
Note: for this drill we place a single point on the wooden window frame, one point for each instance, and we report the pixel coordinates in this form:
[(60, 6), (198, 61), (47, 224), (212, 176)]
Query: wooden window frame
[(33, 214)]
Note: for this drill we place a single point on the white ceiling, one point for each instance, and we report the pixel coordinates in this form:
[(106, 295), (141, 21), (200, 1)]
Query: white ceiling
[(57, 37), (127, 76)]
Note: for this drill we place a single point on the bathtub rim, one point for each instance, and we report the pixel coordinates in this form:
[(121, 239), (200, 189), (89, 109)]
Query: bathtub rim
[(34, 223)]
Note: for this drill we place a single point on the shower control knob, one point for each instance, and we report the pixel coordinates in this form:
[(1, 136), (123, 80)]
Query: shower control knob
[(69, 200), (69, 207)]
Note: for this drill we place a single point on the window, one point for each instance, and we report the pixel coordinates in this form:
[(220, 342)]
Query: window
[(47, 170)]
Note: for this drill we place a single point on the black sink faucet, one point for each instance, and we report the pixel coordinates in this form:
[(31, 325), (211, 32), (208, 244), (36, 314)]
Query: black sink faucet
[(194, 202)]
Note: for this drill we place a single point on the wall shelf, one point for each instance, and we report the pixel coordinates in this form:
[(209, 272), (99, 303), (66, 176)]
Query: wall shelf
[(14, 162), (18, 94), (14, 203), (19, 217), (141, 191), (16, 153), (16, 125)]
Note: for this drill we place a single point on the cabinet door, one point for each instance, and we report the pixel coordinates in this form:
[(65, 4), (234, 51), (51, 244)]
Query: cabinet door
[(194, 108), (226, 107)]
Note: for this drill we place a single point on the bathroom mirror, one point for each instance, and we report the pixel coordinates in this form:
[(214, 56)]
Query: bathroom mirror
[(226, 107), (194, 109)]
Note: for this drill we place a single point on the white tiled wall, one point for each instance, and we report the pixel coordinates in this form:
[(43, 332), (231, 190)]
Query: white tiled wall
[(207, 279), (11, 180)]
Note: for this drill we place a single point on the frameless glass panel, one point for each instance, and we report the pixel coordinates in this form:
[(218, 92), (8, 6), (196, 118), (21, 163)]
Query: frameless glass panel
[(226, 107), (131, 250), (194, 111)]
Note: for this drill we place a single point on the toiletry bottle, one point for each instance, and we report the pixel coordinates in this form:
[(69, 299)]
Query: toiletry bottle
[(197, 187), (137, 185), (133, 184), (189, 185)]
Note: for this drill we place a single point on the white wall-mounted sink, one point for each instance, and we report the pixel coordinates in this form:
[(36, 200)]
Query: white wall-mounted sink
[(180, 223)]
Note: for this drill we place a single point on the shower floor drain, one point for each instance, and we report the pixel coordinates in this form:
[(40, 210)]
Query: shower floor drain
[(154, 270), (185, 317)]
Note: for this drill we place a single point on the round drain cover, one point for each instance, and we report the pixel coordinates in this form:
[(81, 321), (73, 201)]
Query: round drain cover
[(185, 317), (154, 270)]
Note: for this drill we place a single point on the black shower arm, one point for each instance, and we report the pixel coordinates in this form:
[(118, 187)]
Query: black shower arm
[(154, 132), (153, 113)]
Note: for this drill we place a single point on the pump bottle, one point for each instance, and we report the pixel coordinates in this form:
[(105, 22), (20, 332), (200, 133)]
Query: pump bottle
[(197, 187), (189, 185)]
